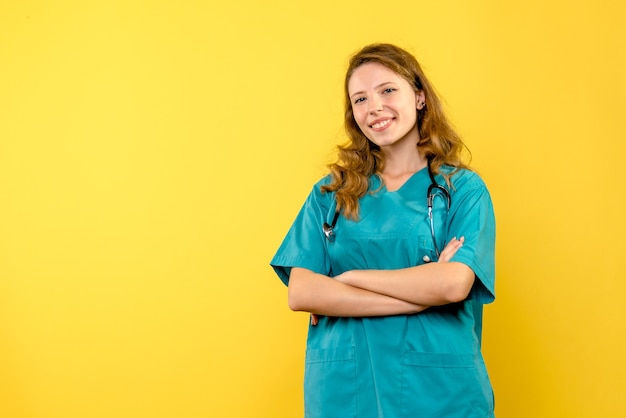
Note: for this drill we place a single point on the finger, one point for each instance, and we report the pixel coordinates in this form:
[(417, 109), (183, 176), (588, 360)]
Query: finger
[(451, 248), (314, 319)]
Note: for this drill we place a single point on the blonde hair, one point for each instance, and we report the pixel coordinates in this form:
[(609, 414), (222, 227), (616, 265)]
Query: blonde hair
[(360, 158)]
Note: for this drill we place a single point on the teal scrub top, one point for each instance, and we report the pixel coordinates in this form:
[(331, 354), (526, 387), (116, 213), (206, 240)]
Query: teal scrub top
[(405, 366)]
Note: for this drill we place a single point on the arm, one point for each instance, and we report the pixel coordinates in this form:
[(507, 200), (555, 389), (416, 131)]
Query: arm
[(322, 295), (429, 284)]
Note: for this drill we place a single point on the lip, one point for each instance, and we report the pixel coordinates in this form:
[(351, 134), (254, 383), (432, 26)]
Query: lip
[(379, 121)]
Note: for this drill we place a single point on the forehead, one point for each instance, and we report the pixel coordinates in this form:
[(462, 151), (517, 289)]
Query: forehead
[(373, 74)]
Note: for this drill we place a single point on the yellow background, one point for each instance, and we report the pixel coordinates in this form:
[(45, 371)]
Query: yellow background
[(154, 153)]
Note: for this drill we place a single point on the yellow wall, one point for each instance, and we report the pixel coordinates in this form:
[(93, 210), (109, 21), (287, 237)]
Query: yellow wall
[(154, 153)]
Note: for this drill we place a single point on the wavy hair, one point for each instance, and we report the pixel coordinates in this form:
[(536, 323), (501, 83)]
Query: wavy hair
[(360, 158)]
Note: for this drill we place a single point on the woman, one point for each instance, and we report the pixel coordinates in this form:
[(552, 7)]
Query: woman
[(393, 333)]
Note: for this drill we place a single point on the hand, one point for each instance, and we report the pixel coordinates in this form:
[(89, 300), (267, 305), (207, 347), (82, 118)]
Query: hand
[(314, 319), (451, 248)]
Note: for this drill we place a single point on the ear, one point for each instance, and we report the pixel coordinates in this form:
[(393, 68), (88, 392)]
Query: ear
[(420, 99)]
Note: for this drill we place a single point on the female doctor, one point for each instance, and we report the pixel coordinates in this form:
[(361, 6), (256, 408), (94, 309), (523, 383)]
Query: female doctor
[(393, 255)]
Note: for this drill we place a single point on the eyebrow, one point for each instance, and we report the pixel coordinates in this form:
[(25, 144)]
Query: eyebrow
[(376, 87)]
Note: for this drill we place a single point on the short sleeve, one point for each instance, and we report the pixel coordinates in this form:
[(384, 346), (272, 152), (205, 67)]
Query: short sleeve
[(472, 216), (305, 243)]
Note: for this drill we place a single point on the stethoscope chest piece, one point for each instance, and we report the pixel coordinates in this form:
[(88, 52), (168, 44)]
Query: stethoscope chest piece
[(329, 232)]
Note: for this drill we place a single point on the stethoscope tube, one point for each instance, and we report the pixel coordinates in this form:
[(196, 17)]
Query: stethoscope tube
[(430, 197), (329, 229)]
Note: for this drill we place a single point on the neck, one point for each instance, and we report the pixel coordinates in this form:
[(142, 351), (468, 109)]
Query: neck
[(408, 161)]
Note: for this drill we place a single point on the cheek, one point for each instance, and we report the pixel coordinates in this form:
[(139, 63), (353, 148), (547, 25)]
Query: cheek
[(360, 117), (360, 122)]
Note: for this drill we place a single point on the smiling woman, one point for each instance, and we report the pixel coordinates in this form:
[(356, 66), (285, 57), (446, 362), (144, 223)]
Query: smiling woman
[(384, 104), (391, 332)]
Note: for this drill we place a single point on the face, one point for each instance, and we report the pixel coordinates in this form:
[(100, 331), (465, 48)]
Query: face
[(384, 105)]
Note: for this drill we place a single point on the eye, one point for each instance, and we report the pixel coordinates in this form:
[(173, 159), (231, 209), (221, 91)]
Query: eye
[(389, 90), (359, 100)]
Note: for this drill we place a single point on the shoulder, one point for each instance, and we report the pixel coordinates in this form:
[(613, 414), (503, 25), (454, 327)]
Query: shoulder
[(318, 194), (469, 192), (327, 179), (464, 179), (324, 181)]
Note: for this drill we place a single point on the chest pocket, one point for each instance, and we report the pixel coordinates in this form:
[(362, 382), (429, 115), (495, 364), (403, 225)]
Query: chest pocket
[(425, 249)]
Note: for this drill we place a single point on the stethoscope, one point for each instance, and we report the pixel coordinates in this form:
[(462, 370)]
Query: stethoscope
[(434, 189)]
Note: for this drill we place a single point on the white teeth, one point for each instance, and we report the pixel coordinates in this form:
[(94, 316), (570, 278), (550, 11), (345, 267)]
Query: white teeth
[(381, 124)]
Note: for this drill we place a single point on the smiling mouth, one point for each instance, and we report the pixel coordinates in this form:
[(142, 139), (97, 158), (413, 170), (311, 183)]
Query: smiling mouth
[(382, 124)]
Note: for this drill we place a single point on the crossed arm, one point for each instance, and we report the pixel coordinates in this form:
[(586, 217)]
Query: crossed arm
[(382, 292)]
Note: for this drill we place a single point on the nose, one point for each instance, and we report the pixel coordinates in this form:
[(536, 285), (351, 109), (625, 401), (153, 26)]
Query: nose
[(376, 104)]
